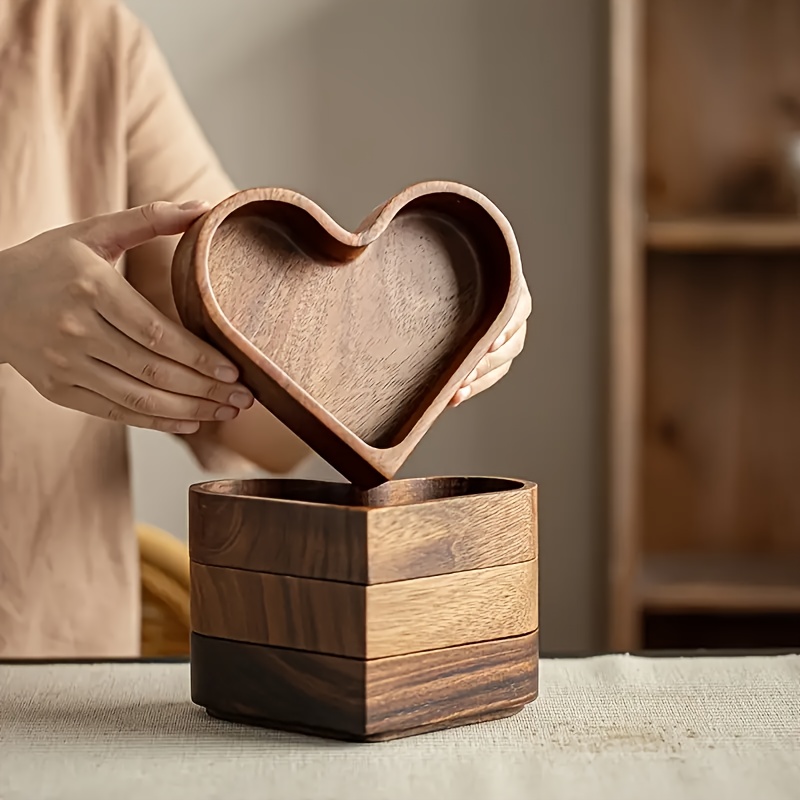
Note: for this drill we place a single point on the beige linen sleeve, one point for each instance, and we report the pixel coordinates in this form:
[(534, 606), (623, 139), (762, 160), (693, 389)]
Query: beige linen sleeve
[(169, 158)]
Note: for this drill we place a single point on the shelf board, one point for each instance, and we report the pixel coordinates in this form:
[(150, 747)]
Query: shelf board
[(725, 234), (700, 583)]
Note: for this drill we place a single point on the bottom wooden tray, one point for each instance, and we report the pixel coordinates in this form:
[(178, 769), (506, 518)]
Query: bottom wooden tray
[(364, 700)]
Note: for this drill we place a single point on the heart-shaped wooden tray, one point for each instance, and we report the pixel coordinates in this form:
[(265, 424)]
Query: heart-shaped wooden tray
[(356, 341)]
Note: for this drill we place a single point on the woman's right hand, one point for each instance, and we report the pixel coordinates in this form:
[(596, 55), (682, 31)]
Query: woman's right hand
[(84, 338)]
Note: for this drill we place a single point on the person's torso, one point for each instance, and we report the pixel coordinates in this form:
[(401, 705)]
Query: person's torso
[(68, 555)]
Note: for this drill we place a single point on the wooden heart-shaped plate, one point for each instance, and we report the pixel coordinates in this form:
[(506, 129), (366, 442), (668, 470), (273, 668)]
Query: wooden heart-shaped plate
[(356, 341)]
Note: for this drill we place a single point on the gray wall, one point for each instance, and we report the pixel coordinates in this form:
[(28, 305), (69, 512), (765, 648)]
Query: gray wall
[(349, 101)]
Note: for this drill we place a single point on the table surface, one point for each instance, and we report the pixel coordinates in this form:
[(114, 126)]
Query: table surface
[(615, 726)]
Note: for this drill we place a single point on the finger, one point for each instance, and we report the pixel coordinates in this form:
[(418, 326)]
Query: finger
[(480, 385), (492, 360), (110, 235), (117, 350), (89, 402), (521, 313), (130, 313), (125, 391)]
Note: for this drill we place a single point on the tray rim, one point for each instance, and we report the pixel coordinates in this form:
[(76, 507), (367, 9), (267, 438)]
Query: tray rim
[(203, 488)]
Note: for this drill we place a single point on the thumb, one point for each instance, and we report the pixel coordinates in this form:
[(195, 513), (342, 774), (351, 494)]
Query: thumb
[(110, 235)]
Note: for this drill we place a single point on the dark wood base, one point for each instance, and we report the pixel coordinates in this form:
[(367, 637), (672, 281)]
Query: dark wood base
[(388, 736), (363, 700)]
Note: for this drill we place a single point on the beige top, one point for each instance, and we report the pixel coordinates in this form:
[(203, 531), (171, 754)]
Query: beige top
[(92, 122)]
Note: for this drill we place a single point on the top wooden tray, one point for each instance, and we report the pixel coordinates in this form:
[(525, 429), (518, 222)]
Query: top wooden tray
[(356, 341)]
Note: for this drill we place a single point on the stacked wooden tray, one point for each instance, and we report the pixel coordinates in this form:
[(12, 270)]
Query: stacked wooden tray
[(364, 615), (377, 608)]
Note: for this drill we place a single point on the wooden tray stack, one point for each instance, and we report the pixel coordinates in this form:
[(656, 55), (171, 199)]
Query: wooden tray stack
[(378, 608)]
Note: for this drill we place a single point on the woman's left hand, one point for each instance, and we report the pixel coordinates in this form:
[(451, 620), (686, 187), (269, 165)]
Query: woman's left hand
[(497, 362)]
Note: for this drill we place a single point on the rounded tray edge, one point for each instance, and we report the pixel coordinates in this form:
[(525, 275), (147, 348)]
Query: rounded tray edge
[(298, 491)]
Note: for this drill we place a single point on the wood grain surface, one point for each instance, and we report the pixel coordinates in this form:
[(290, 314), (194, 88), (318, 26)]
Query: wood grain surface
[(704, 197), (722, 430), (373, 621), (374, 700), (725, 234), (721, 106), (626, 291), (400, 530), (458, 534), (356, 341), (698, 583)]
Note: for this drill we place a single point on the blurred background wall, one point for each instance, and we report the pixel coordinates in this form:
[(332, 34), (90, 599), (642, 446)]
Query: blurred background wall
[(349, 101)]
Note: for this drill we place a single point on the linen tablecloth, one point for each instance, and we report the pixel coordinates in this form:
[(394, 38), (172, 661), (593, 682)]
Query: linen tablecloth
[(611, 727)]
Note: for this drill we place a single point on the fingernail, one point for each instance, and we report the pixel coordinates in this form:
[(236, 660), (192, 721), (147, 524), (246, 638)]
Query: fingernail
[(193, 205), (187, 427), (241, 399), (225, 413), (227, 374)]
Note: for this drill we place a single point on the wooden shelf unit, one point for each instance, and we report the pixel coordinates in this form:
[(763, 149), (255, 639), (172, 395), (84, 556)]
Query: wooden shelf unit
[(704, 425)]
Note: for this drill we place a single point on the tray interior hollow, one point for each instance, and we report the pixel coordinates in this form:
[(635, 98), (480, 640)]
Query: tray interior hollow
[(389, 322), (390, 494)]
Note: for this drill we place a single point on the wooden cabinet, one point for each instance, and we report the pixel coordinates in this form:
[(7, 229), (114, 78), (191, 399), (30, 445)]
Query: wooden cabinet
[(705, 324)]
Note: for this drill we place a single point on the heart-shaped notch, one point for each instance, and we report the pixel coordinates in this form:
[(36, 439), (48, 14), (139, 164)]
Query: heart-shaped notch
[(356, 341)]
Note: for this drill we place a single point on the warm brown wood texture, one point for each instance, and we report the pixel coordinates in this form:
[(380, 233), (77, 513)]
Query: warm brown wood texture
[(705, 334), (697, 583), (626, 310), (356, 341), (400, 530), (722, 388), (359, 700), (720, 235), (721, 106), (374, 621)]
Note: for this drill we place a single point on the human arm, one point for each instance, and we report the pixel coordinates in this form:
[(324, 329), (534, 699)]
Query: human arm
[(84, 339), (255, 435), (170, 158)]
